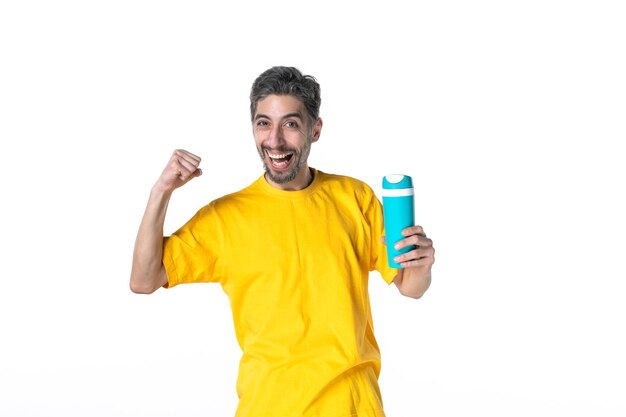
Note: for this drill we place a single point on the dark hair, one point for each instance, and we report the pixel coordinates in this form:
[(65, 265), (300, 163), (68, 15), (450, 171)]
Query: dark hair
[(287, 81)]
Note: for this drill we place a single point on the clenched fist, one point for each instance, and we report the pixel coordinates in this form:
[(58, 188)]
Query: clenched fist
[(181, 168)]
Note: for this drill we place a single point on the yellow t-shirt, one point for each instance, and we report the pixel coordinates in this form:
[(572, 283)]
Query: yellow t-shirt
[(295, 267)]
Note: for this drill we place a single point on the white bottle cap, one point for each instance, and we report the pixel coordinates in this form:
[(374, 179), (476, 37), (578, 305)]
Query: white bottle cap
[(394, 178)]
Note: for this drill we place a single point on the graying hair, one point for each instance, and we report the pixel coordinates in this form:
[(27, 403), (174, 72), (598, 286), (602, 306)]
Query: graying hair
[(287, 81)]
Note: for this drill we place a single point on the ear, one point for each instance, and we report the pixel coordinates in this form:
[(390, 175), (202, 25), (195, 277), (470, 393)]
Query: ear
[(317, 129)]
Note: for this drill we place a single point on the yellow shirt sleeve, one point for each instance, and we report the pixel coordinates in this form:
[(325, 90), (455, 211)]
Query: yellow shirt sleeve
[(191, 254)]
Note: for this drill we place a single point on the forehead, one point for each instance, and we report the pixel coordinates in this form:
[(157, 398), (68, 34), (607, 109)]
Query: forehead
[(275, 106)]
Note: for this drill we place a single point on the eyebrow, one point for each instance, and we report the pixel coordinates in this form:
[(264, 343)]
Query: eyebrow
[(287, 116)]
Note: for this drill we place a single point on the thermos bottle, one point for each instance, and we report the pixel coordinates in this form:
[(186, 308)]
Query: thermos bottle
[(398, 212)]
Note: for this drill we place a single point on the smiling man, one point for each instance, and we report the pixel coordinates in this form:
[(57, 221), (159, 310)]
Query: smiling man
[(283, 136), (293, 252)]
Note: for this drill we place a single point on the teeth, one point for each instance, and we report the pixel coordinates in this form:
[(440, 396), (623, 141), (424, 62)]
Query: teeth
[(279, 156)]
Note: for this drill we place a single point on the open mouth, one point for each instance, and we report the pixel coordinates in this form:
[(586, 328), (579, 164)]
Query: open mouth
[(279, 160)]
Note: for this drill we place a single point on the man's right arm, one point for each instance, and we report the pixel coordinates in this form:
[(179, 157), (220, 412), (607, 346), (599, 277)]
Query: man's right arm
[(148, 273)]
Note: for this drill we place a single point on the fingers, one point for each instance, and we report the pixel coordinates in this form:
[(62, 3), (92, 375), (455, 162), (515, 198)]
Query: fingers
[(186, 164), (423, 253), (188, 156), (422, 262), (415, 236), (417, 257), (413, 230), (181, 168), (185, 168)]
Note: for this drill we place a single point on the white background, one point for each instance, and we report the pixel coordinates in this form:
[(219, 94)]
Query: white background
[(507, 114)]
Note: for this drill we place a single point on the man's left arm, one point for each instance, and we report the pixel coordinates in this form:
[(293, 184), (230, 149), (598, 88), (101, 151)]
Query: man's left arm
[(414, 278)]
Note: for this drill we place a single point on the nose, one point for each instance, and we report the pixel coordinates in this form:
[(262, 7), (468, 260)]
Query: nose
[(275, 139)]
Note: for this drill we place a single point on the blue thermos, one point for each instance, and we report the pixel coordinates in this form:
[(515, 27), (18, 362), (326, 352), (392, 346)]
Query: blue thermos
[(398, 212)]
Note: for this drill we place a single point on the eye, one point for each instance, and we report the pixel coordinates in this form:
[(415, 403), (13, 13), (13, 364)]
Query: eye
[(262, 123), (291, 125)]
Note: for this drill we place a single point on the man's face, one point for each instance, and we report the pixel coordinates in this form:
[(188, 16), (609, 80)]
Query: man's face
[(283, 138)]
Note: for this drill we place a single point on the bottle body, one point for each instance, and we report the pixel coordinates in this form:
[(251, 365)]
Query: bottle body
[(398, 213)]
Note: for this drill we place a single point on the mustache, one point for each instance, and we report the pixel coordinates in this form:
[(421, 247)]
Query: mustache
[(281, 149)]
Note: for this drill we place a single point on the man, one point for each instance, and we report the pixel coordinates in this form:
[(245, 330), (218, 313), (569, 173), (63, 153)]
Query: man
[(293, 253)]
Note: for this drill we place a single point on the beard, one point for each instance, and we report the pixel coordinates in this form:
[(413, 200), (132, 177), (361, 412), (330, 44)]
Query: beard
[(297, 162)]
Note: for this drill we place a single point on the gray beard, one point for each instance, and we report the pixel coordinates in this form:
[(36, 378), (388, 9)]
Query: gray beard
[(283, 179), (295, 169)]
